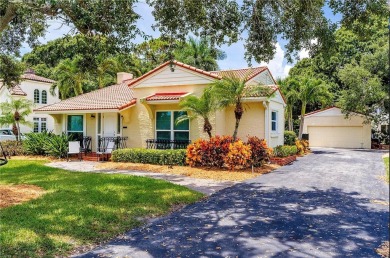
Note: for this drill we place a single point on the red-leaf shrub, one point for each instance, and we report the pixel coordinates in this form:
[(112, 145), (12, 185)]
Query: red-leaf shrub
[(239, 155), (260, 151), (208, 153)]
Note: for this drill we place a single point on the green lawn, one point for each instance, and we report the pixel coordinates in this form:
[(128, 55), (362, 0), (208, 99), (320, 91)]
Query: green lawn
[(387, 168), (79, 208)]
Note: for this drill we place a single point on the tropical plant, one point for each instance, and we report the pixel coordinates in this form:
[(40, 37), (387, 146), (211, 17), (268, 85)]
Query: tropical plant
[(232, 90), (289, 137), (260, 151), (239, 155), (202, 106), (106, 71), (288, 87), (34, 144), (69, 78), (310, 91), (209, 153), (199, 53), (15, 113)]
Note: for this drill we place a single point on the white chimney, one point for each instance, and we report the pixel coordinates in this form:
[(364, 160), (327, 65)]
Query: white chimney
[(122, 76)]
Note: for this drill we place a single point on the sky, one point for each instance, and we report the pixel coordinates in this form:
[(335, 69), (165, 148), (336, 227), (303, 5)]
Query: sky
[(278, 66)]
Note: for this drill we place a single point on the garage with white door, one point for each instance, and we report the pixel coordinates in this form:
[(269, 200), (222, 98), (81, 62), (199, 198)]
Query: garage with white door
[(330, 128)]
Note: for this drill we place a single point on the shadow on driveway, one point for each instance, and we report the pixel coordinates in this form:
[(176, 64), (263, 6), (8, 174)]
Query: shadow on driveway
[(252, 220)]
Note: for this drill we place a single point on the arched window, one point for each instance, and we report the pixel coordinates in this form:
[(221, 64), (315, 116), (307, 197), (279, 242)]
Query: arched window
[(44, 97), (36, 96)]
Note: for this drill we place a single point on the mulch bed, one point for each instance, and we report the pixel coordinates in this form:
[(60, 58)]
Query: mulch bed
[(218, 174), (16, 194)]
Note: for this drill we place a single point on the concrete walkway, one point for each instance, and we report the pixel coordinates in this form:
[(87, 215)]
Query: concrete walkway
[(205, 186), (328, 204)]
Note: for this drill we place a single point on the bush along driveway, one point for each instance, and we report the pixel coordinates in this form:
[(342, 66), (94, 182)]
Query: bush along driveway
[(331, 203)]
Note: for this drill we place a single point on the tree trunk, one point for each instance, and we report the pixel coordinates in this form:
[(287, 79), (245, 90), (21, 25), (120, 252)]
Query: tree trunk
[(236, 130), (303, 111), (18, 126), (207, 127), (238, 111)]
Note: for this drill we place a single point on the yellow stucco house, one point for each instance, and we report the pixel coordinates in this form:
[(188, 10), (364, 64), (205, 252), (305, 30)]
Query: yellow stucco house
[(142, 110)]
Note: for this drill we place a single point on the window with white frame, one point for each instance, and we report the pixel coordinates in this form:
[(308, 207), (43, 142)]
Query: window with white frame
[(36, 96), (274, 121), (168, 129), (44, 97), (40, 124)]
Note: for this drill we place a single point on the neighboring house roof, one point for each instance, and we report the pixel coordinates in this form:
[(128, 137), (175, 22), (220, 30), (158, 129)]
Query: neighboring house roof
[(16, 90), (166, 96), (320, 110), (30, 75), (117, 96)]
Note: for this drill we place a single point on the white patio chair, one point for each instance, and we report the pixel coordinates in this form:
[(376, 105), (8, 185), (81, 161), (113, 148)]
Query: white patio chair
[(73, 148), (105, 150)]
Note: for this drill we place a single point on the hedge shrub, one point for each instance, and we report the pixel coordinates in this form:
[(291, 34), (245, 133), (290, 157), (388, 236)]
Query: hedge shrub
[(208, 153), (239, 155), (284, 151), (12, 148), (260, 151), (289, 137), (46, 143), (149, 156), (302, 146)]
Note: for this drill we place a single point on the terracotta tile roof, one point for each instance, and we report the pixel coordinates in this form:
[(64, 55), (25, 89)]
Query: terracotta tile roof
[(117, 96), (33, 77), (166, 96), (248, 73), (16, 90)]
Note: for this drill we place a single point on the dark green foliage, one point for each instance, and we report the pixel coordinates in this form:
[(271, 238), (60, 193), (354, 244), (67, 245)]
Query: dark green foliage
[(284, 151), (46, 143), (57, 145), (148, 156), (12, 148), (10, 70), (35, 142), (289, 137)]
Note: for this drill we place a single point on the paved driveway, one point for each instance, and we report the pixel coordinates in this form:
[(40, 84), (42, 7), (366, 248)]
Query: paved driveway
[(328, 204)]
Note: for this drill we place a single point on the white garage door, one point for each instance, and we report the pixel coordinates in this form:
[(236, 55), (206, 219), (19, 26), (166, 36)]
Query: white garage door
[(336, 136)]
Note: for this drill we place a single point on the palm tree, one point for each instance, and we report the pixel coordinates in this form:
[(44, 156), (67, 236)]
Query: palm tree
[(200, 54), (14, 113), (288, 86), (310, 91), (202, 106), (106, 67), (70, 78), (231, 90)]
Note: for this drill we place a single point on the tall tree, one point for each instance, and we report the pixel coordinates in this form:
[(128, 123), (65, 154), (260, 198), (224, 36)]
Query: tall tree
[(14, 113), (202, 106), (289, 86), (259, 22), (232, 90), (106, 71), (199, 53), (26, 21), (10, 70), (70, 79), (311, 91)]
